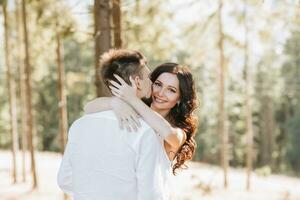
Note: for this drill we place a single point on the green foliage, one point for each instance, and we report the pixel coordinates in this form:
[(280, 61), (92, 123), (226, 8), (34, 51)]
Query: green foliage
[(294, 138), (290, 111), (164, 32), (47, 115), (78, 60), (144, 28), (2, 2), (4, 128), (80, 88)]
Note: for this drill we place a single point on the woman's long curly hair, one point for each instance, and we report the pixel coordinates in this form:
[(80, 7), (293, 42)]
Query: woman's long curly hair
[(182, 114)]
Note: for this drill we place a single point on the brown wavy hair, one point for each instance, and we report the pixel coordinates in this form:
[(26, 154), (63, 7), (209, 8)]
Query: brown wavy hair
[(182, 114)]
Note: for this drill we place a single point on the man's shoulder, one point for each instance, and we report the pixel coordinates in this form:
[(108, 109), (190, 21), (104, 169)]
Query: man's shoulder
[(107, 115), (91, 117)]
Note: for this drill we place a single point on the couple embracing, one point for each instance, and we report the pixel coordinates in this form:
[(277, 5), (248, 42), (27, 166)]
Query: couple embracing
[(126, 146)]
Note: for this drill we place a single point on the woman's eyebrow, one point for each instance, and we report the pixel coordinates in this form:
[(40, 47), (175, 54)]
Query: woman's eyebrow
[(173, 87), (167, 85)]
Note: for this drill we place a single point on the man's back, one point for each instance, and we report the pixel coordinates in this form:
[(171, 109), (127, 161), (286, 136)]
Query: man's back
[(103, 162)]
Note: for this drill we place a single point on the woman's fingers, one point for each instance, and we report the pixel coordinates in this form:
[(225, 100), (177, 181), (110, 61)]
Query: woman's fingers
[(136, 120), (114, 83), (120, 79), (112, 88), (120, 122), (116, 93), (132, 125), (129, 123), (117, 88), (127, 116), (125, 124)]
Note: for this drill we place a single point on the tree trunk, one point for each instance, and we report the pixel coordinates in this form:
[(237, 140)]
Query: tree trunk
[(102, 18), (223, 131), (264, 141), (28, 96), (11, 97), (282, 136), (270, 130), (261, 131), (22, 104), (266, 123), (138, 15), (116, 13), (248, 103), (63, 118)]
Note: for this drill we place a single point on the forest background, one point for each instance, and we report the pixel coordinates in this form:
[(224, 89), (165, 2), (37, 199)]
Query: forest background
[(244, 55)]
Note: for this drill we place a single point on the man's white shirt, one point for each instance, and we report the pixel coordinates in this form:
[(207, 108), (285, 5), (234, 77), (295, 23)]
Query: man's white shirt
[(102, 162)]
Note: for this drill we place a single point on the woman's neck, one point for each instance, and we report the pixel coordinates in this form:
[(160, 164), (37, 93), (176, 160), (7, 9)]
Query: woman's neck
[(162, 112)]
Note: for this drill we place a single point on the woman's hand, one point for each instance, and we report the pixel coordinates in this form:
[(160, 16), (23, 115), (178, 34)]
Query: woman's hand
[(126, 115), (123, 90), (99, 104)]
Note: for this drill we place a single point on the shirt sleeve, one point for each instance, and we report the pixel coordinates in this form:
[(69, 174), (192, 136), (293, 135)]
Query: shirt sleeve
[(147, 171), (64, 177)]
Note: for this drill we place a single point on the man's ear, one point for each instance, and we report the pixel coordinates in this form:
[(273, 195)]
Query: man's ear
[(137, 81)]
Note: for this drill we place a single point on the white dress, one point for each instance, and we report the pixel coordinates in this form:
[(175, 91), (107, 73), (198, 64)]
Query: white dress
[(165, 169)]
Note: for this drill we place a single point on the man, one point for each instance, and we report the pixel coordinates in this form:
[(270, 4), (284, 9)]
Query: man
[(103, 162)]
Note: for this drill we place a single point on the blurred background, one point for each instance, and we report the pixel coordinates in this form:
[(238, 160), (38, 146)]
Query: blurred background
[(245, 58)]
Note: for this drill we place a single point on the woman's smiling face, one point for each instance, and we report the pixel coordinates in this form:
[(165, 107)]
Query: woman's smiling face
[(165, 91)]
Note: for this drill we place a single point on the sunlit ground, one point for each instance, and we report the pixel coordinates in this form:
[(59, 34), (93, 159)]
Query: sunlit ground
[(201, 181)]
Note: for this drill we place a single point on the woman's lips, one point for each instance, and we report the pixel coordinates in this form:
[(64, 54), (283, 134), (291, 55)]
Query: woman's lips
[(158, 100)]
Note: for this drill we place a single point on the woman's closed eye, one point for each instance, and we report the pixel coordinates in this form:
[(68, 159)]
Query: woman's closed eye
[(157, 84), (172, 90)]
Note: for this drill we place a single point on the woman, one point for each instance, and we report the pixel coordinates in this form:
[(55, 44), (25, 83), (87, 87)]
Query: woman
[(171, 114)]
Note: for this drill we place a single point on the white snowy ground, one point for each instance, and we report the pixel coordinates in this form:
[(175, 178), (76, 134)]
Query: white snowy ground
[(199, 182)]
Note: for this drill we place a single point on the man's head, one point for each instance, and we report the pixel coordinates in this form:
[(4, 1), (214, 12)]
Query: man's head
[(126, 63)]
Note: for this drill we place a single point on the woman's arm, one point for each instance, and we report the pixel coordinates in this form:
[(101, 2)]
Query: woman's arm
[(173, 136), (99, 104), (126, 115)]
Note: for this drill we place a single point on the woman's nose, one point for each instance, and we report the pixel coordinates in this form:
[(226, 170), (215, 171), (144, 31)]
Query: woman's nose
[(161, 92)]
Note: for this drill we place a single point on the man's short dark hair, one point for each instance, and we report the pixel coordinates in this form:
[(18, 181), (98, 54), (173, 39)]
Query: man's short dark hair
[(122, 62)]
